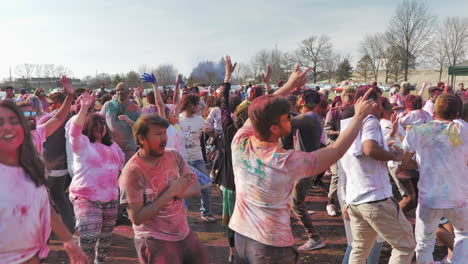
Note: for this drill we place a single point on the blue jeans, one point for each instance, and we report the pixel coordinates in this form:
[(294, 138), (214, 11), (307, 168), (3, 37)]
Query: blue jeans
[(373, 257), (205, 208)]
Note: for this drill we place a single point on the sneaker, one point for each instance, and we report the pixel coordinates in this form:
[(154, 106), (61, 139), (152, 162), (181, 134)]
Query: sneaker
[(444, 261), (331, 210), (231, 259), (312, 244), (208, 218)]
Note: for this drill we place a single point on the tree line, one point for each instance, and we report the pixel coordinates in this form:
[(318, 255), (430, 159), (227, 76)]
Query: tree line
[(413, 38)]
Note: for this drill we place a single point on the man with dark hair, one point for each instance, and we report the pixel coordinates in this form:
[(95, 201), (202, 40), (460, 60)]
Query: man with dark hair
[(442, 155), (332, 131), (121, 130), (10, 94), (193, 126), (102, 90), (153, 185), (55, 159), (306, 131), (265, 175), (434, 92), (369, 199)]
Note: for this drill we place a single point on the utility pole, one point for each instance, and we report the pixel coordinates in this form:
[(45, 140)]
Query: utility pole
[(10, 75)]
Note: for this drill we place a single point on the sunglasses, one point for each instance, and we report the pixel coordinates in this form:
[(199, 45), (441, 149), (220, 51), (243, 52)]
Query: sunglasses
[(29, 113)]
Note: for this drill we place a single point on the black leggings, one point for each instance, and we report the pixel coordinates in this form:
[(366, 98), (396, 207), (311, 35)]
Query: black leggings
[(60, 201)]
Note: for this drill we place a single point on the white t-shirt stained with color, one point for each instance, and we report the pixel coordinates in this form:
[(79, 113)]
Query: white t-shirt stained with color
[(442, 154), (367, 178), (264, 174), (192, 127), (24, 217)]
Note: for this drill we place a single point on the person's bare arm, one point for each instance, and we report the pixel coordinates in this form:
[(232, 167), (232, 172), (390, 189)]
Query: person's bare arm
[(87, 101), (139, 213), (159, 101), (76, 254), (57, 120), (297, 79), (193, 190), (330, 155), (408, 163), (266, 78), (176, 99), (372, 149)]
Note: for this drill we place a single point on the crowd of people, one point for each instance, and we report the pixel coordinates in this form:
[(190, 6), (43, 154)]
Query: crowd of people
[(78, 162)]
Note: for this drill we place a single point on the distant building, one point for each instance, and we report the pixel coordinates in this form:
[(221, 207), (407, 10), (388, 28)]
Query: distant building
[(48, 83)]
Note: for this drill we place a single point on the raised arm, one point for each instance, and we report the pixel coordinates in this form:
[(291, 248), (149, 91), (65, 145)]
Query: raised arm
[(146, 77), (176, 99), (423, 88), (331, 154), (297, 79), (87, 101), (57, 120), (266, 79)]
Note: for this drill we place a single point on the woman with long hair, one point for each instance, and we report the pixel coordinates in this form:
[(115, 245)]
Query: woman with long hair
[(26, 217), (94, 191)]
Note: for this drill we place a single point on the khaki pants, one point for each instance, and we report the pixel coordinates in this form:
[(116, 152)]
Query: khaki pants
[(332, 193), (427, 220), (386, 219)]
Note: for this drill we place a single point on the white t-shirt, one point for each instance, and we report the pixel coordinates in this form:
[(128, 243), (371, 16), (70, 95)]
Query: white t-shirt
[(367, 178), (192, 127), (265, 174), (429, 107), (415, 118), (95, 166), (176, 140), (442, 154), (214, 119), (24, 217)]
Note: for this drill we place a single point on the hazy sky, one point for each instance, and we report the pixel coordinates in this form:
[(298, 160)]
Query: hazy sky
[(120, 35)]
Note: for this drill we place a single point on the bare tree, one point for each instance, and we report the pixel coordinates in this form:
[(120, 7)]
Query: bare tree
[(411, 28), (330, 65), (314, 51), (165, 74), (438, 55), (372, 48), (25, 72), (60, 70), (280, 62), (454, 36), (364, 67)]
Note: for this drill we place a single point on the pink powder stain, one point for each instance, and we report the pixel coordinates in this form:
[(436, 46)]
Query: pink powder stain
[(24, 210)]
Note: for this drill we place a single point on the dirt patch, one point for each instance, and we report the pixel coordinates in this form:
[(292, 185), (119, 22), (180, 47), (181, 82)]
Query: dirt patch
[(330, 228)]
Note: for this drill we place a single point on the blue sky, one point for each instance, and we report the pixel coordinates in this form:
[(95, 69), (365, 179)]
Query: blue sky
[(119, 36)]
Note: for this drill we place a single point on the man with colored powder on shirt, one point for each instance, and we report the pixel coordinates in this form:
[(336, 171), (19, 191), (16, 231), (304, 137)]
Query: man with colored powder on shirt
[(153, 185), (121, 130), (369, 199), (265, 175), (441, 148)]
